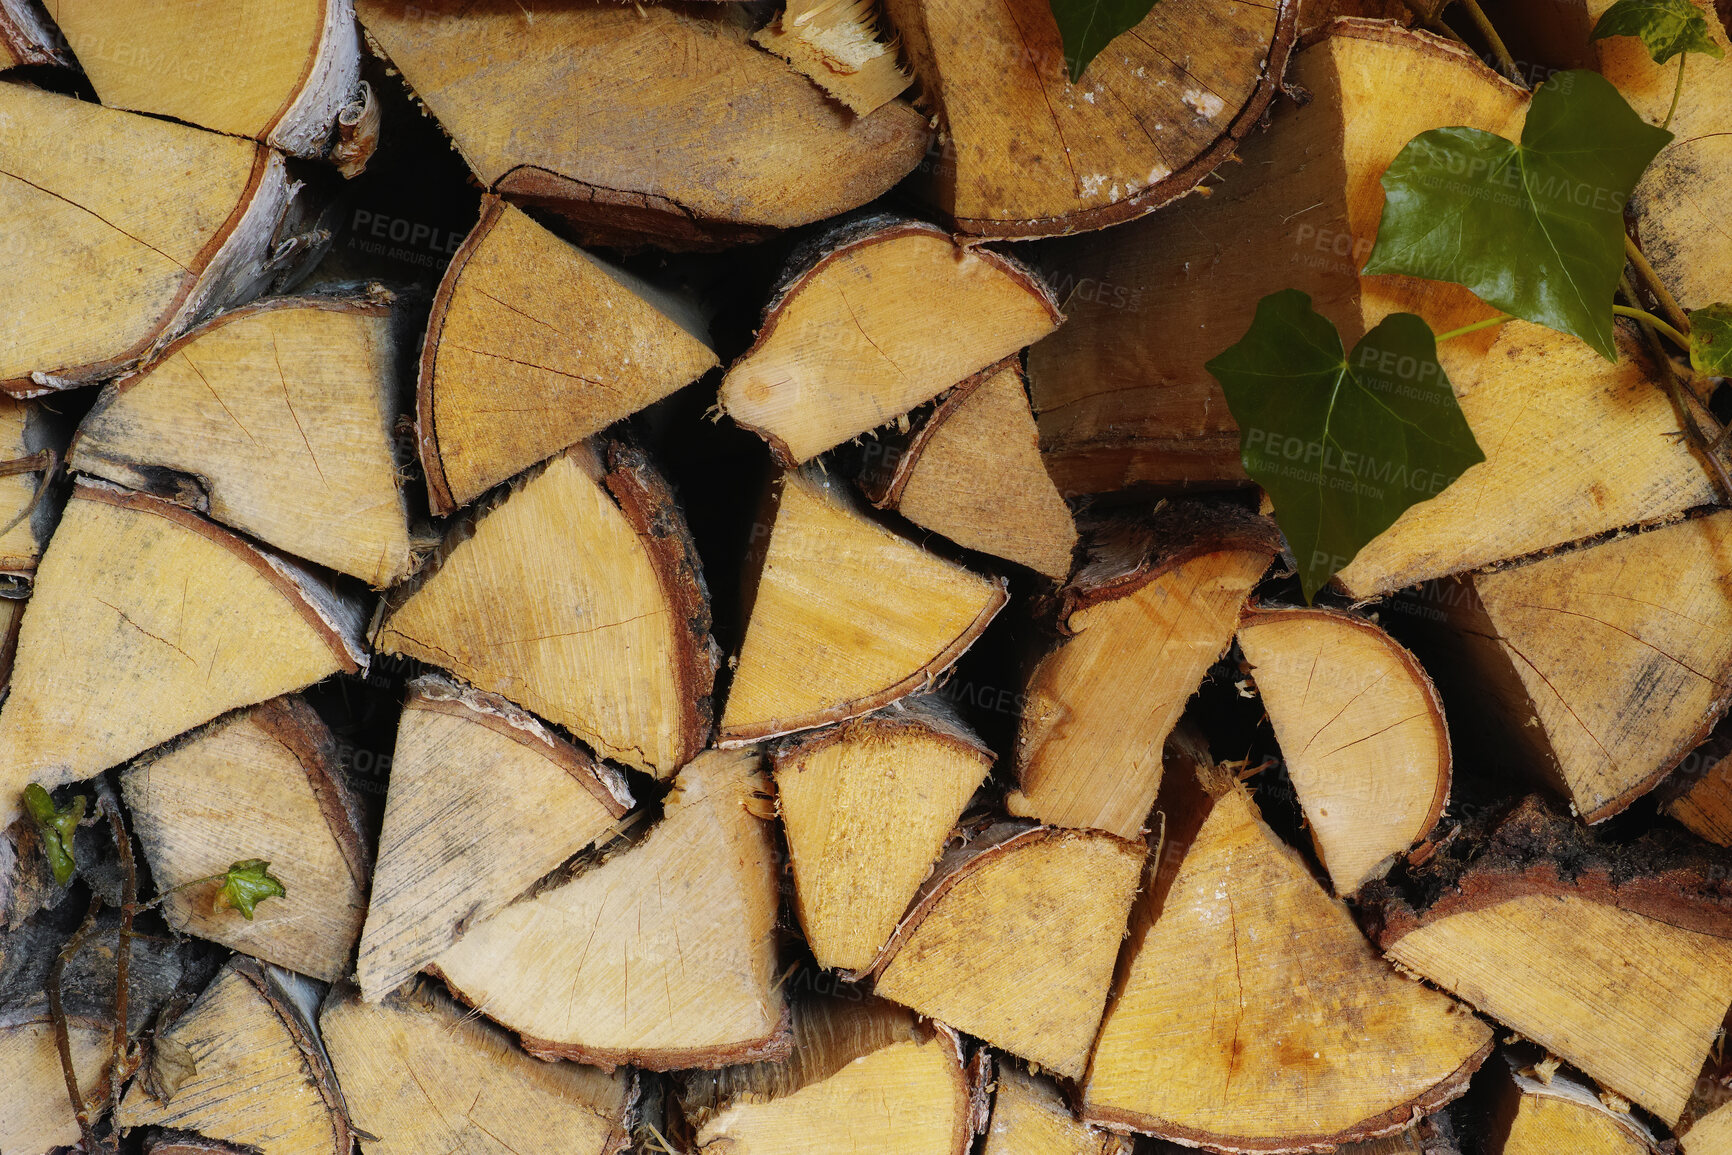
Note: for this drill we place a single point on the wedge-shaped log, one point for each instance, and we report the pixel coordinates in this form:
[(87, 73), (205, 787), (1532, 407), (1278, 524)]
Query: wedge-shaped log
[(864, 1077), (420, 1076), (1038, 911), (148, 620), (838, 46), (1711, 1134), (973, 473), (1361, 730), (1030, 1117), (36, 1116), (1699, 794), (28, 434), (578, 596), (1602, 666), (663, 956), (1027, 153), (867, 807), (723, 144), (276, 419), (260, 1077), (1153, 608), (260, 784), (881, 315), (279, 71), (1619, 962), (534, 345), (1253, 1015), (484, 801), (1531, 1117), (848, 617), (130, 229)]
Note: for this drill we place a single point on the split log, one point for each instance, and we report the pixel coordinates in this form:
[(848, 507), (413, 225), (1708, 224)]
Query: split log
[(1710, 1134), (259, 1077), (36, 1114), (260, 784), (28, 432), (1361, 731), (1027, 153), (691, 910), (723, 145), (836, 45), (1015, 938), (1532, 1117), (974, 474), (292, 396), (1031, 1117), (924, 313), (1254, 1017), (577, 595), (1701, 800), (278, 71), (864, 1076), (1553, 931), (484, 800), (848, 617), (534, 345), (148, 620), (1703, 107), (1601, 667), (418, 1076), (28, 36), (867, 807), (1153, 608), (131, 229)]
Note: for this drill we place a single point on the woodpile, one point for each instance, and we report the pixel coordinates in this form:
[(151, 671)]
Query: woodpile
[(682, 579)]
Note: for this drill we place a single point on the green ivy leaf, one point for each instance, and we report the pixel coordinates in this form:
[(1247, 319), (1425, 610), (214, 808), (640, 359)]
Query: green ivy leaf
[(248, 883), (1536, 229), (1711, 340), (1667, 27), (57, 827), (1087, 26), (1342, 444)]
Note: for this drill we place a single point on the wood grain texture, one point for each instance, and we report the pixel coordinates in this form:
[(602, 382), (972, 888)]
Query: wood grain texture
[(1562, 1114), (35, 1113), (1030, 1117), (26, 428)]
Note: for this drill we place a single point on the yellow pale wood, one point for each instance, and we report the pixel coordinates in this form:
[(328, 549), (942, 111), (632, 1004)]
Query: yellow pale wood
[(237, 792), (848, 617), (664, 955), (1705, 806), (540, 345), (252, 1085), (1684, 238), (1019, 948), (1404, 1144), (423, 1077), (836, 44), (23, 431), (1632, 1001), (1030, 1117), (118, 233), (978, 479), (35, 1113), (1100, 707), (877, 327), (1361, 731), (866, 817), (1546, 1124), (483, 802), (282, 417), (1253, 1009), (141, 628), (557, 604), (1704, 105), (1710, 1135)]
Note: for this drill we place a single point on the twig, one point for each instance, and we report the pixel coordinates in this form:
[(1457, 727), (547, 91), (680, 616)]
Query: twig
[(57, 1015), (1686, 416), (1648, 318), (123, 960), (48, 461), (1677, 91), (1651, 282), (1505, 61)]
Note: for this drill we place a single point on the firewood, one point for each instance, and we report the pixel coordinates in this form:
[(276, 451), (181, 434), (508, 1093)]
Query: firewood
[(276, 70), (27, 433), (1562, 1114), (1704, 104), (534, 345), (261, 784), (418, 1075), (36, 1115), (848, 617), (28, 36), (691, 908), (260, 1076), (1253, 1015), (973, 473), (924, 313), (651, 161), (146, 621), (864, 1076), (1550, 929), (85, 296), (471, 776), (1361, 730), (1027, 153), (1037, 910), (289, 396), (1673, 207), (579, 597), (867, 807), (1701, 801), (836, 44), (1711, 1134), (1030, 1117), (1153, 608), (1649, 610)]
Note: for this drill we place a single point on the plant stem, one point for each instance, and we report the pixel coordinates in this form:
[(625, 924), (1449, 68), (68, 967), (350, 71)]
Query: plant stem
[(1505, 61), (1676, 92), (1648, 318), (1651, 282), (57, 1015), (123, 959), (1686, 416), (1475, 327)]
